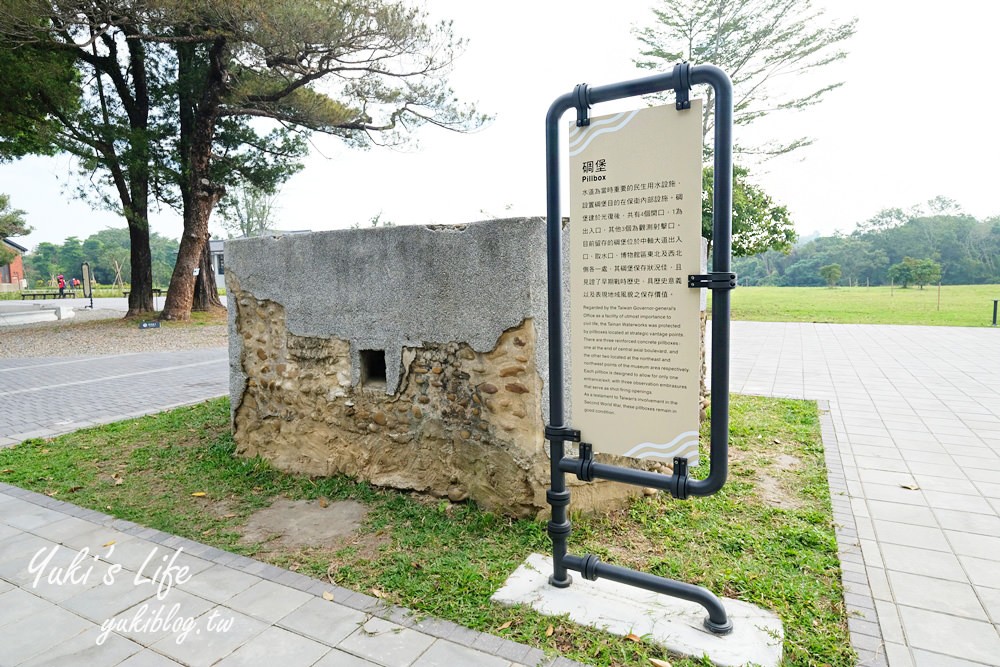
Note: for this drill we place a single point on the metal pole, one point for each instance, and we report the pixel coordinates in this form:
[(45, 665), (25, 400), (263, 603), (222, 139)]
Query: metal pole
[(995, 301), (557, 496)]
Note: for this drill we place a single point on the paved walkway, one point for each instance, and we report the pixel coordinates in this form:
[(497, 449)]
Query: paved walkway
[(215, 608), (59, 605), (42, 397), (916, 418)]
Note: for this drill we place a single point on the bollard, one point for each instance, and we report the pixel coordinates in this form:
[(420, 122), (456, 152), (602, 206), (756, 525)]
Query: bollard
[(995, 301)]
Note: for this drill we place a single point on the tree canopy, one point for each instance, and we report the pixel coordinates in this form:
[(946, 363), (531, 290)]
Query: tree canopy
[(107, 251), (966, 249), (12, 222), (773, 50), (170, 87), (759, 224)]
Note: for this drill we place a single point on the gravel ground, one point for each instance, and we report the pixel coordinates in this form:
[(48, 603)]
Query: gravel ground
[(102, 332)]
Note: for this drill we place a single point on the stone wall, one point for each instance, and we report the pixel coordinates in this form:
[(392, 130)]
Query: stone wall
[(410, 357)]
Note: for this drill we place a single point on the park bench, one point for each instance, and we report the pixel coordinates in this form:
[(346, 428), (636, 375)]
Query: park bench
[(46, 293), (157, 291)]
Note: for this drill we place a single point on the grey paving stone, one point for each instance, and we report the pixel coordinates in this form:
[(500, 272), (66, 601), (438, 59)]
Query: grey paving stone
[(64, 529), (84, 649), (950, 597), (386, 643), (336, 658), (957, 637), (445, 654), (324, 621), (464, 636), (149, 658), (107, 600), (275, 646), (40, 632), (23, 547), (487, 643), (268, 601), (219, 583), (151, 620), (436, 627), (215, 635), (16, 604), (513, 651), (533, 657)]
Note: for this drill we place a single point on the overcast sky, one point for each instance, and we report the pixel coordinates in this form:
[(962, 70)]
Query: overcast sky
[(916, 118)]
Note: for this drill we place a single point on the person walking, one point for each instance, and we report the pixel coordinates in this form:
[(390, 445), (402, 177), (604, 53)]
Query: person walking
[(62, 286)]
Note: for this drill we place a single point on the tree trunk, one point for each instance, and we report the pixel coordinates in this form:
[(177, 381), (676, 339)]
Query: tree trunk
[(198, 111), (140, 296), (206, 292)]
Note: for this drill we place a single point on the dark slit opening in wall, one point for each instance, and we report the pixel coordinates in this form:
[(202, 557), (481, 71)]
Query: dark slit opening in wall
[(373, 368)]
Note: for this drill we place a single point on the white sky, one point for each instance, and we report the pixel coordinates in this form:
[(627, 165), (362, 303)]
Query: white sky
[(915, 119)]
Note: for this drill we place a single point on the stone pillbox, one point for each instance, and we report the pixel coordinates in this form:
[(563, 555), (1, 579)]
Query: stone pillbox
[(409, 357)]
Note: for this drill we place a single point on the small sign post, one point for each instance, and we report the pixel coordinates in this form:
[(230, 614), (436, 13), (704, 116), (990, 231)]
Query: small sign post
[(88, 288)]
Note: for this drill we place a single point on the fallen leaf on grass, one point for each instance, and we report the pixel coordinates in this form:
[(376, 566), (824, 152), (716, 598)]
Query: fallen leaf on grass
[(6, 471), (634, 637), (199, 494), (379, 593), (118, 480), (328, 596), (229, 516), (73, 489), (504, 626), (549, 630), (658, 663)]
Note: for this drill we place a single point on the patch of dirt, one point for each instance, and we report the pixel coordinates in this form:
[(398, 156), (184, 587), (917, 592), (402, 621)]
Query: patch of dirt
[(770, 485), (773, 492), (304, 524)]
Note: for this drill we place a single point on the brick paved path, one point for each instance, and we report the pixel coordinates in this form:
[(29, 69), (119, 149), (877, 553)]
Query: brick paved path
[(916, 418), (41, 397)]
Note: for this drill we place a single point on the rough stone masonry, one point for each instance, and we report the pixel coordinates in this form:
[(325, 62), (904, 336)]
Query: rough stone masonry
[(410, 357)]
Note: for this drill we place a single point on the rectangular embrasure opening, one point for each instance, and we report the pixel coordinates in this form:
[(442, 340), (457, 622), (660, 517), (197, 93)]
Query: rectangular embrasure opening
[(372, 368)]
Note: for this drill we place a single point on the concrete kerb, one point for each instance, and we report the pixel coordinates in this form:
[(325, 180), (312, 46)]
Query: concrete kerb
[(441, 629), (865, 630)]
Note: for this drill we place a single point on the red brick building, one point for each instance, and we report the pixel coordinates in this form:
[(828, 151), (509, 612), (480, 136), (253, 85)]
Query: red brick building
[(12, 275)]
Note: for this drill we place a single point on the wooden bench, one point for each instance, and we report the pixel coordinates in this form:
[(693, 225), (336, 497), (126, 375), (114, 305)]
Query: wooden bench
[(46, 293), (157, 291)]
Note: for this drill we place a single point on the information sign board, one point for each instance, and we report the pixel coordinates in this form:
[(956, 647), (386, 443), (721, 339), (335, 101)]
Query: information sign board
[(635, 236)]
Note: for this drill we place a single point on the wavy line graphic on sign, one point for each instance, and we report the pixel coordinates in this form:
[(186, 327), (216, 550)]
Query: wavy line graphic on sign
[(592, 133), (684, 445), (578, 132)]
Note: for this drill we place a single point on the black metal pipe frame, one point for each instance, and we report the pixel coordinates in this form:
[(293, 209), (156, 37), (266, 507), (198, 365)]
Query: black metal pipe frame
[(558, 433)]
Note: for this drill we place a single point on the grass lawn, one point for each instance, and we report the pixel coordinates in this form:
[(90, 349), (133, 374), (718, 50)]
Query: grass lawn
[(961, 305), (767, 538)]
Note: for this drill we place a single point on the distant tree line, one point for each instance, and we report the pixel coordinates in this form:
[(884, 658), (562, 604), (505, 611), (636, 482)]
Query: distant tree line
[(107, 252), (893, 246)]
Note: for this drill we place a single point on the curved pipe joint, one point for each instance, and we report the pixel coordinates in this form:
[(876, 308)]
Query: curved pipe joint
[(591, 567)]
